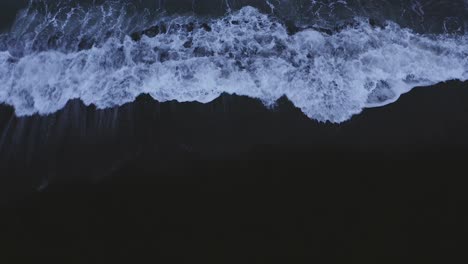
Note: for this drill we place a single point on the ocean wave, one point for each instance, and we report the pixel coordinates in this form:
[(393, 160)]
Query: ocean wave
[(107, 59)]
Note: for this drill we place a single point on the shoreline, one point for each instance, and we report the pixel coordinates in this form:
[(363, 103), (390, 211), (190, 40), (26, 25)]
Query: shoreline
[(197, 181), (82, 144)]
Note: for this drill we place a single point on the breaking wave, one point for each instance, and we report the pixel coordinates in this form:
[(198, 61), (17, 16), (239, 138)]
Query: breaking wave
[(109, 54)]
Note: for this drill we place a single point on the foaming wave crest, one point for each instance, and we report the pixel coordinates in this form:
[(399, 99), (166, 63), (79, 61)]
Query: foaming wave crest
[(330, 76)]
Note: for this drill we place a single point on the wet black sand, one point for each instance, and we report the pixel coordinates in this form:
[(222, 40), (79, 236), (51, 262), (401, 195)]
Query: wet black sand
[(234, 182)]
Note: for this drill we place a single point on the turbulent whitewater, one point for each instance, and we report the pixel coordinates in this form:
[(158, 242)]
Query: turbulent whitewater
[(108, 53)]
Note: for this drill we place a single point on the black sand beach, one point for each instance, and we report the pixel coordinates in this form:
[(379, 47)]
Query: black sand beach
[(234, 182)]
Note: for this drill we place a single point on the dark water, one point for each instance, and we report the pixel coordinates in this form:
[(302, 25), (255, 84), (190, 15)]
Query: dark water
[(423, 15)]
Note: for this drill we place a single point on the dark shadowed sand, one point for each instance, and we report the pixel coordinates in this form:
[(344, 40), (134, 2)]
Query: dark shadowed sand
[(234, 182)]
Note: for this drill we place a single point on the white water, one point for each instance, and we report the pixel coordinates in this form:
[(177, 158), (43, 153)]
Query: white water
[(329, 77)]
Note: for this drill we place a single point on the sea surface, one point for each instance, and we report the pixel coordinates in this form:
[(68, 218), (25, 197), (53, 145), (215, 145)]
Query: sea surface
[(331, 59)]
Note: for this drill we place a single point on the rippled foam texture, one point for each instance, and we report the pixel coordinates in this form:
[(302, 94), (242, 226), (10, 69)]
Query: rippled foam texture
[(107, 55)]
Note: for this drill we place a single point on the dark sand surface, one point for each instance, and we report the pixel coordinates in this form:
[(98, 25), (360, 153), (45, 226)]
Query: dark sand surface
[(234, 182)]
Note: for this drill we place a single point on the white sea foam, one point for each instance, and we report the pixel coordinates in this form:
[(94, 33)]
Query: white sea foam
[(329, 77)]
